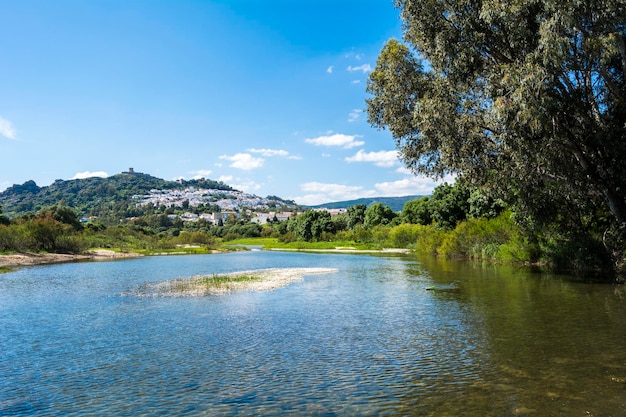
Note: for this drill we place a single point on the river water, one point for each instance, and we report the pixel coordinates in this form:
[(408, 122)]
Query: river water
[(381, 336)]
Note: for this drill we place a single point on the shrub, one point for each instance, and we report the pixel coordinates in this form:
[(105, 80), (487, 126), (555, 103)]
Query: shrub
[(404, 235), (429, 239), (70, 244)]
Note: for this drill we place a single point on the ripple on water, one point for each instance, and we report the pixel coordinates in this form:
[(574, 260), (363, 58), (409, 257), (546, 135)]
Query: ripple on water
[(367, 340)]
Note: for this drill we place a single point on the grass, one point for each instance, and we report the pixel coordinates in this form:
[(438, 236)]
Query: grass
[(274, 243), (176, 251), (181, 250), (220, 280), (211, 282)]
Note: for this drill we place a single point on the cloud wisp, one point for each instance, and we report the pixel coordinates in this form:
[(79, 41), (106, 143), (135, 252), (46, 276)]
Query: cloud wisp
[(244, 161), (354, 115), (338, 139), (365, 68), (89, 174), (273, 152), (6, 129), (319, 193), (383, 159), (201, 173)]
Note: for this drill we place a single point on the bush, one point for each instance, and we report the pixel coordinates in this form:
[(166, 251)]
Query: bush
[(70, 244), (404, 235), (429, 240), (7, 238)]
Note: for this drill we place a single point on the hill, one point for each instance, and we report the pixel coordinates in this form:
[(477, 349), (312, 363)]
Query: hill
[(395, 203), (129, 194)]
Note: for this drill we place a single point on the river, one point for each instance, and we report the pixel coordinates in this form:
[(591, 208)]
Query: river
[(384, 335)]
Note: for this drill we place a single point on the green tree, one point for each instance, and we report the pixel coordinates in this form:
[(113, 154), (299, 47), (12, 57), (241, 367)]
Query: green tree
[(45, 230), (528, 95), (377, 214), (310, 225), (449, 204), (63, 214), (417, 211), (356, 215), (3, 219), (482, 205)]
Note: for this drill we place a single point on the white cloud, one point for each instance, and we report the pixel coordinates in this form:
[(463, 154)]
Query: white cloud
[(248, 186), (365, 68), (338, 139), (404, 170), (354, 115), (415, 185), (225, 178), (88, 174), (319, 193), (244, 161), (356, 81), (329, 69), (201, 173), (274, 152), (6, 129), (380, 158)]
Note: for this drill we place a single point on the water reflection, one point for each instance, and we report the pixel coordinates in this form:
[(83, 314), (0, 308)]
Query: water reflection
[(372, 339)]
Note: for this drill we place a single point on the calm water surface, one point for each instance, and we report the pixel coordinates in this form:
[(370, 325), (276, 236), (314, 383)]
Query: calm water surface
[(370, 339)]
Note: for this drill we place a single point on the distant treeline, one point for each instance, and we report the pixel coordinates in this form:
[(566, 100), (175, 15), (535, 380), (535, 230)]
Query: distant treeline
[(454, 221)]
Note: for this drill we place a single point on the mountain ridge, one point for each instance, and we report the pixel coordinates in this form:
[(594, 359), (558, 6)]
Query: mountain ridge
[(394, 203), (127, 192)]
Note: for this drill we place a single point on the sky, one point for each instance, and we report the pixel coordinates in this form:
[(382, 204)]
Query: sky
[(266, 96)]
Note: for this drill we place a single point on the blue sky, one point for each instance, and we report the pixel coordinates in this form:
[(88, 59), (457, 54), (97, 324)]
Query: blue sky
[(267, 96)]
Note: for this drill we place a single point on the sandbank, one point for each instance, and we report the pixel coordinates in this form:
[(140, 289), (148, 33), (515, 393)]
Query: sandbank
[(255, 280), (30, 259)]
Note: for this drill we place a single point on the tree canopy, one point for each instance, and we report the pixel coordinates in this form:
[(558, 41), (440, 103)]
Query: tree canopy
[(525, 97)]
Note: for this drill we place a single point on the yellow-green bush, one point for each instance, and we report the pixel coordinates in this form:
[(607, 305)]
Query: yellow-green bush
[(494, 239), (429, 240), (404, 235)]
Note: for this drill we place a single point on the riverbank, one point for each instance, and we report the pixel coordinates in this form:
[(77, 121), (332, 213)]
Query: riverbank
[(16, 260), (345, 250)]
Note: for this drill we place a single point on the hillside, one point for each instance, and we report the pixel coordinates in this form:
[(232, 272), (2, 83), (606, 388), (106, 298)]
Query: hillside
[(127, 194), (130, 194), (395, 203)]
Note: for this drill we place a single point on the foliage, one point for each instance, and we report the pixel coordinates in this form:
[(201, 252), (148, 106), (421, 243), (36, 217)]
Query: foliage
[(311, 225), (4, 220), (356, 215), (417, 211), (525, 97), (482, 238), (377, 214), (449, 204), (63, 214), (464, 226)]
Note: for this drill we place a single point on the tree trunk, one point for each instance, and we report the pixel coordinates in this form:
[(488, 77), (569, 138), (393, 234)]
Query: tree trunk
[(617, 205)]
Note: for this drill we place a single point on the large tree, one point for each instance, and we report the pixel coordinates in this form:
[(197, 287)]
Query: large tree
[(526, 95)]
